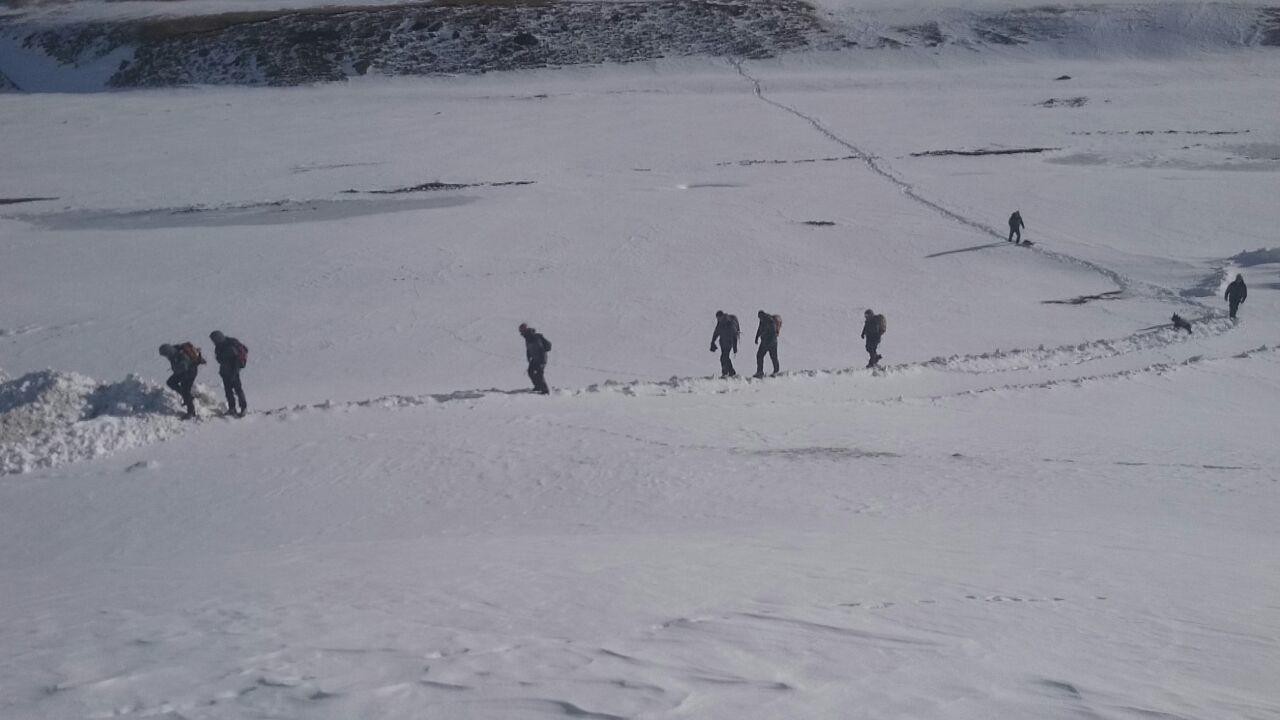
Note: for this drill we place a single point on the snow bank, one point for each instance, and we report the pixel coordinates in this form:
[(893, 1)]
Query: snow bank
[(50, 418)]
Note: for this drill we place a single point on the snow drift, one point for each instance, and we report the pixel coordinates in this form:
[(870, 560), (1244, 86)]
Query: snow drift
[(50, 418)]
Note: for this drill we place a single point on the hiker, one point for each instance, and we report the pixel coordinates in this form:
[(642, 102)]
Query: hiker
[(727, 332), (1180, 323), (536, 348), (1236, 293), (767, 339), (184, 361), (1015, 227), (873, 327), (231, 355)]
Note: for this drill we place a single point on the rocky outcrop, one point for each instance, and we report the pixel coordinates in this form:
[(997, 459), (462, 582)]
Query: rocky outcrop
[(291, 47)]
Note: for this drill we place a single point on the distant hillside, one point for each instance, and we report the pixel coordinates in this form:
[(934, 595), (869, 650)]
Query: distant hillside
[(295, 46)]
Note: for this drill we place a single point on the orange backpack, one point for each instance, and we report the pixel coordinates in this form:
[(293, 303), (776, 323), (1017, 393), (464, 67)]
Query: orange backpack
[(192, 352)]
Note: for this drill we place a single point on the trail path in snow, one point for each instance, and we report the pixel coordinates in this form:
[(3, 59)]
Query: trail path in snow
[(1127, 285), (1057, 363)]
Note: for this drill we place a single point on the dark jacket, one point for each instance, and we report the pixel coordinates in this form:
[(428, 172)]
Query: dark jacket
[(179, 363), (767, 333), (1236, 291), (1015, 221), (726, 332), (536, 347), (225, 353), (871, 327)]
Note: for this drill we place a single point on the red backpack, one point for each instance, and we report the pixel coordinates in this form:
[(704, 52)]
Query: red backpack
[(777, 324), (242, 353)]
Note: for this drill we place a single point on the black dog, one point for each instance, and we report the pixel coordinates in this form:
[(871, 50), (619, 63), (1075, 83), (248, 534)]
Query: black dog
[(1180, 324)]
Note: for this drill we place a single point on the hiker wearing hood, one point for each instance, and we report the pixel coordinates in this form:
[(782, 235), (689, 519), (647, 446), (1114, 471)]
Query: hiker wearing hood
[(231, 355), (727, 333), (1015, 226), (184, 362), (872, 330), (767, 339), (536, 348), (1236, 293)]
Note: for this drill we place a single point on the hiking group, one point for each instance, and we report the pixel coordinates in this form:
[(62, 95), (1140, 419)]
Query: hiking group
[(231, 355), (727, 332), (185, 360)]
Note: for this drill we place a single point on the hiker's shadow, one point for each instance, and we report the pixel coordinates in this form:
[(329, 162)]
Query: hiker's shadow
[(975, 248)]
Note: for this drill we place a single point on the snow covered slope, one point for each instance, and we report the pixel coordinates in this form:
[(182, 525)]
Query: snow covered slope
[(93, 45), (1048, 504)]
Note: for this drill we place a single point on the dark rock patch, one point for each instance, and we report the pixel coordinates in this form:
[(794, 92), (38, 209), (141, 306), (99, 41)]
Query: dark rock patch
[(984, 151), (436, 187), (1073, 102), (927, 34), (746, 163), (1159, 132), (1081, 300), (1269, 27), (292, 47), (15, 201)]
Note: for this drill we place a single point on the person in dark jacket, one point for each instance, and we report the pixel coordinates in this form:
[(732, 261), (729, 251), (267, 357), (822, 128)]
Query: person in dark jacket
[(1015, 227), (183, 377), (767, 339), (536, 348), (1236, 293), (727, 333), (871, 331), (226, 350)]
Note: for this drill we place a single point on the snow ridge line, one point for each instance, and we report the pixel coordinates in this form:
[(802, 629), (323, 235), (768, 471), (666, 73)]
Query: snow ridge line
[(1044, 358), (1158, 369), (693, 385), (1124, 283)]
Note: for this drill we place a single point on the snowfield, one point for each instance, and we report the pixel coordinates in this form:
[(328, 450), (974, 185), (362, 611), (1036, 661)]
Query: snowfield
[(1047, 504)]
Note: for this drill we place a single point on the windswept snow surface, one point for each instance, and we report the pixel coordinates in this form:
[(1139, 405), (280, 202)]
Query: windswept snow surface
[(1047, 504)]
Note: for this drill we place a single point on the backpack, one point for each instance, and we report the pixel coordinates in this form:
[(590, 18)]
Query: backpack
[(242, 353), (546, 344), (733, 323), (882, 324), (192, 353), (777, 324)]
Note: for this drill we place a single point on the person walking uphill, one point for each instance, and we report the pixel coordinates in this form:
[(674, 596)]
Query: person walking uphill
[(232, 355), (767, 339), (1015, 226), (536, 348), (726, 332), (873, 327), (1236, 293), (184, 362)]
